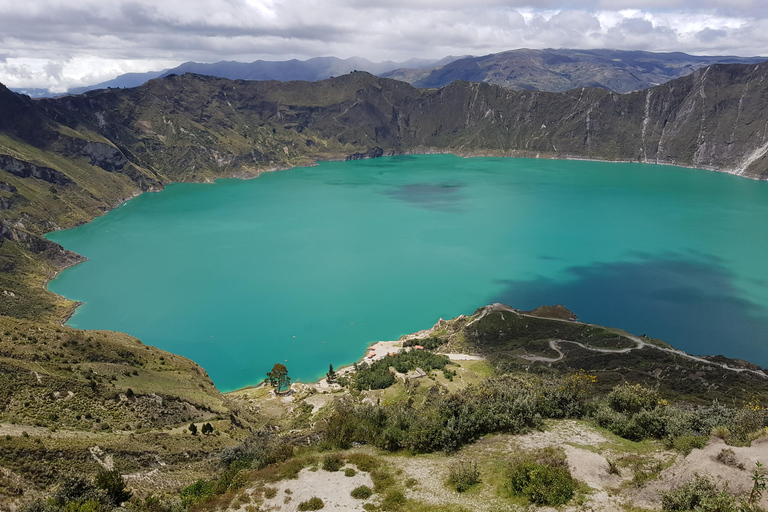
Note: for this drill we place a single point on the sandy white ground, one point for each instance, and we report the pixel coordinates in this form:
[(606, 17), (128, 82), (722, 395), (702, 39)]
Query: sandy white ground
[(334, 488)]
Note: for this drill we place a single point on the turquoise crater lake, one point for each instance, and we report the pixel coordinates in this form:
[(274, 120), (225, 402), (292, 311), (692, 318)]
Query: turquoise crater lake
[(308, 266)]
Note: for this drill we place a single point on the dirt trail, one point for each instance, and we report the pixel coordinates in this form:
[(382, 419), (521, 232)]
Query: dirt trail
[(639, 344)]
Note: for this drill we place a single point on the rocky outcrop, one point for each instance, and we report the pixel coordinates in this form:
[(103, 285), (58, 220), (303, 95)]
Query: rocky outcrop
[(55, 254), (24, 169), (374, 152), (103, 155)]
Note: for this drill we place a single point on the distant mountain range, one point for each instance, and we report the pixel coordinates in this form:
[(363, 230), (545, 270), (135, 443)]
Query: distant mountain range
[(540, 70), (563, 70), (318, 68)]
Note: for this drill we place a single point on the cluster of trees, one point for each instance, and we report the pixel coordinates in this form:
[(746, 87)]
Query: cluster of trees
[(206, 429)]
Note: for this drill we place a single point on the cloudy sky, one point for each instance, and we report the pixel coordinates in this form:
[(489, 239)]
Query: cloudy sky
[(58, 44)]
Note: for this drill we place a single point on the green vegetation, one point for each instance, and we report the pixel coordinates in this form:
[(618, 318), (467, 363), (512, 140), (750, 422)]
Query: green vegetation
[(362, 493), (463, 474), (311, 504), (635, 412), (701, 493), (542, 477), (514, 404), (376, 375), (278, 378), (330, 376), (75, 494), (332, 462)]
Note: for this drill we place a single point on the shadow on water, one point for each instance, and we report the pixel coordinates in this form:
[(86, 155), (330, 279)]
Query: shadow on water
[(690, 303), (445, 197)]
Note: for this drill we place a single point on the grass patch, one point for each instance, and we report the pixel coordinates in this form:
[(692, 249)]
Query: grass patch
[(364, 462), (311, 504), (362, 493), (463, 474), (333, 462)]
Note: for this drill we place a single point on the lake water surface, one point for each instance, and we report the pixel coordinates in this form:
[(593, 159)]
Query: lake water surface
[(307, 267)]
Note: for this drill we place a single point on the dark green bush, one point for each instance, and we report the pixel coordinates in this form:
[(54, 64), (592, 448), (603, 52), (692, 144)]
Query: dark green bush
[(332, 462), (700, 493), (197, 492), (542, 477), (362, 493), (112, 482), (311, 504)]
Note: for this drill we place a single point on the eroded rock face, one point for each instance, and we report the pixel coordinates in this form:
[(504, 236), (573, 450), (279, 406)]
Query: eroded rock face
[(55, 254), (105, 156), (24, 169)]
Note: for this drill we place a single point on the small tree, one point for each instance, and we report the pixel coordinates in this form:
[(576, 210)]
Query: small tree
[(278, 378), (330, 377), (207, 429), (193, 429), (113, 483)]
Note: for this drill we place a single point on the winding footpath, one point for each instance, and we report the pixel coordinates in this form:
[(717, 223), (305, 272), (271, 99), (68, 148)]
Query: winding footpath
[(640, 344)]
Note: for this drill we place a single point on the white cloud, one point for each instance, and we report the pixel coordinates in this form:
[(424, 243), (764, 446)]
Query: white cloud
[(68, 43)]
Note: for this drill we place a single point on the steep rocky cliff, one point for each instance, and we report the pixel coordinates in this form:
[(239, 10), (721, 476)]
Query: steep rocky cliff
[(65, 160)]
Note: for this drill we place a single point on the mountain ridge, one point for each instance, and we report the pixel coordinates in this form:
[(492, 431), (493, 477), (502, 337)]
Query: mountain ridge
[(560, 70), (70, 159)]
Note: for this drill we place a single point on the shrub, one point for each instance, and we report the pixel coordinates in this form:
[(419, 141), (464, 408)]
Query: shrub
[(542, 477), (350, 472), (728, 457), (633, 398), (721, 432), (197, 492), (332, 462), (257, 451), (430, 343), (699, 493), (463, 474), (311, 504), (362, 493), (77, 493), (685, 444), (112, 482), (382, 480), (394, 500), (750, 418)]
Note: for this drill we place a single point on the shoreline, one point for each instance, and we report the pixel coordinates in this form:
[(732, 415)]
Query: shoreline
[(378, 349), (375, 351), (253, 173)]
